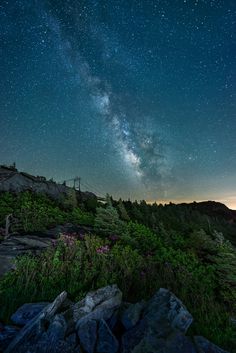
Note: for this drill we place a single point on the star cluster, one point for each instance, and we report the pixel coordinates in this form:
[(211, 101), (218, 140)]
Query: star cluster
[(136, 97)]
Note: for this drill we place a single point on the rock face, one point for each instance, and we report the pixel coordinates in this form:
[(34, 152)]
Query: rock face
[(22, 244), (14, 181), (101, 323), (19, 245)]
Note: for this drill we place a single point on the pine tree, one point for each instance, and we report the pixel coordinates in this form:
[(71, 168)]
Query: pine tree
[(122, 211), (107, 220)]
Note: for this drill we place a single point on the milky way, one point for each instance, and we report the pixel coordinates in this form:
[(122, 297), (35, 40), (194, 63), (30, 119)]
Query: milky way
[(136, 97)]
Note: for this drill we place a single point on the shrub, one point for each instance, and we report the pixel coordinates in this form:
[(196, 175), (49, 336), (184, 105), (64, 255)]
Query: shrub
[(81, 217)]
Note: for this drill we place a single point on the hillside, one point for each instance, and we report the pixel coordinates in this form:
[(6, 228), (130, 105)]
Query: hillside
[(13, 180), (215, 209), (78, 245)]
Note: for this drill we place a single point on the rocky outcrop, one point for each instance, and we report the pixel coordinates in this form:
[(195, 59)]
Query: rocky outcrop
[(17, 245), (21, 244), (102, 323), (12, 180)]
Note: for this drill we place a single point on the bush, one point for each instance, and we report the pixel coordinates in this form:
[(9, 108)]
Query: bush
[(37, 212), (81, 217), (139, 268)]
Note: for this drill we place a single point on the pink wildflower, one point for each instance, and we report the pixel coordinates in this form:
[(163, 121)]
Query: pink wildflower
[(103, 249)]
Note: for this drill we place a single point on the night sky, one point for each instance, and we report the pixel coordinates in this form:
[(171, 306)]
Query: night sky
[(137, 96)]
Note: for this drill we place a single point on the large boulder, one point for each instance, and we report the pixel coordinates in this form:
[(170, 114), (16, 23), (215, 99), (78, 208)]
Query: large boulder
[(27, 312), (87, 333), (57, 329), (7, 333), (98, 305), (177, 342), (107, 342), (165, 308), (133, 337), (163, 314), (109, 296)]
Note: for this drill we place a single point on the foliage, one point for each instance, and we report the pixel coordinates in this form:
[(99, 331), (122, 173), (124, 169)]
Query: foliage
[(138, 261), (81, 217), (70, 199), (6, 205), (107, 220), (91, 204), (37, 212), (161, 246), (122, 211)]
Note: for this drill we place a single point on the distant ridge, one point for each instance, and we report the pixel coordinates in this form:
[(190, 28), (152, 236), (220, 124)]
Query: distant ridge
[(214, 209)]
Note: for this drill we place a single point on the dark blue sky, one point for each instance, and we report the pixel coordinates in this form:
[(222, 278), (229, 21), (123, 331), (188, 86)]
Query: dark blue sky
[(136, 97)]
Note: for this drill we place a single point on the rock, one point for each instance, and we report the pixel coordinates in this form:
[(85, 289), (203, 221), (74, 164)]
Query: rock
[(7, 333), (72, 340), (176, 343), (205, 346), (132, 337), (27, 312), (57, 329), (36, 325), (150, 345), (113, 320), (165, 306), (107, 342), (100, 321), (101, 312), (87, 333), (110, 296), (17, 245), (163, 314), (44, 345), (98, 305), (132, 315)]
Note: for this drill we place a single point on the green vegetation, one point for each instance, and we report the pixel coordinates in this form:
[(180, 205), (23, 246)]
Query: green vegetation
[(107, 220), (139, 250), (37, 212)]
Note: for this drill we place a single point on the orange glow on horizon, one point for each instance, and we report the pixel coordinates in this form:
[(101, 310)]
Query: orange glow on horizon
[(229, 202)]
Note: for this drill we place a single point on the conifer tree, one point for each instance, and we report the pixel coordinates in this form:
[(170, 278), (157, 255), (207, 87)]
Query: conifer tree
[(122, 210), (107, 220)]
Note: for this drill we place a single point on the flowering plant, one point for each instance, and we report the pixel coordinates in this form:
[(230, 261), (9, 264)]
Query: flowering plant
[(103, 249)]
